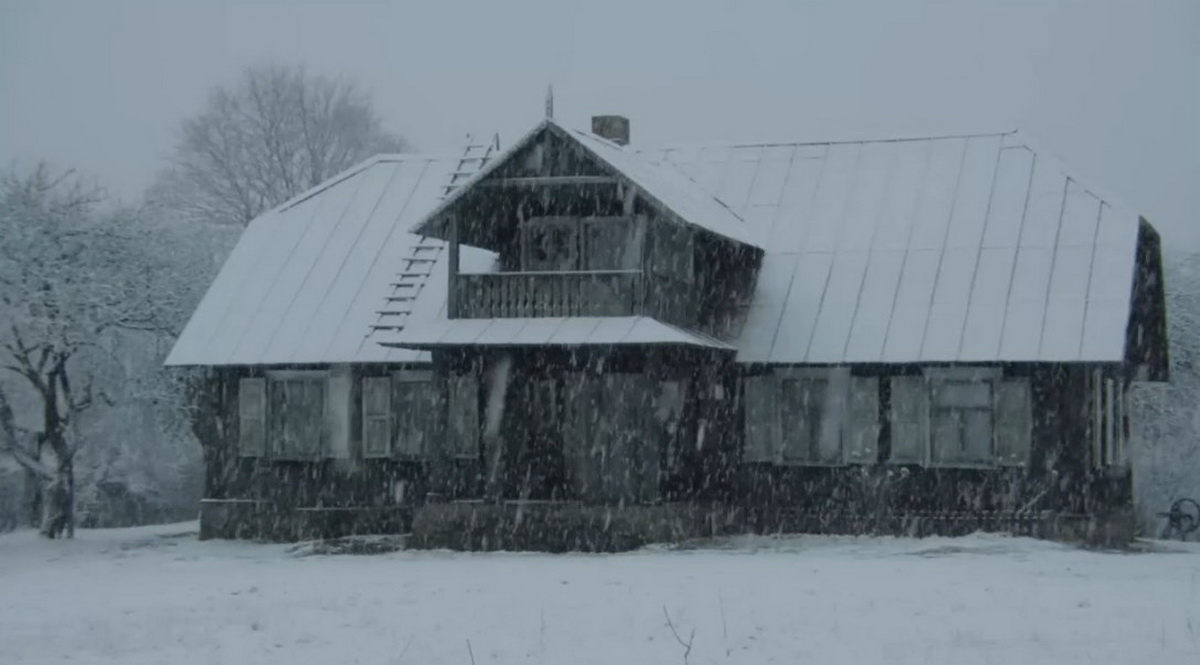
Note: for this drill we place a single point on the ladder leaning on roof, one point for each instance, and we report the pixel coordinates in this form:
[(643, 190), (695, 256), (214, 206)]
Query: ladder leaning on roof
[(417, 266)]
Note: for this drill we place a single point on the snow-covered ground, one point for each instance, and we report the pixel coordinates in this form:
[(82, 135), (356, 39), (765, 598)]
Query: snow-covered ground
[(156, 595)]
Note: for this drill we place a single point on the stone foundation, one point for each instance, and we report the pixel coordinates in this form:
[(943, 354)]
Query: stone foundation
[(562, 527), (262, 520), (575, 527)]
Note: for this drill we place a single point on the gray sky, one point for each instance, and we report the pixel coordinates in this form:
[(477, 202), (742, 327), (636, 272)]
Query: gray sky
[(1111, 86)]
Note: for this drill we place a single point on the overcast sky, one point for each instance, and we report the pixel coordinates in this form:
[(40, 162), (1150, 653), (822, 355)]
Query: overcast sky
[(1111, 86)]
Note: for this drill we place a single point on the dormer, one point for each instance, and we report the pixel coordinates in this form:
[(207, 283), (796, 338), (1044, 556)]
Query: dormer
[(581, 226)]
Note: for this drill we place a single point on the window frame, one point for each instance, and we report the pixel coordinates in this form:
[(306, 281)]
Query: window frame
[(1109, 424), (768, 389), (998, 383), (369, 415), (802, 376), (942, 375), (631, 247), (392, 415), (256, 386), (274, 445), (548, 225), (935, 458), (431, 413)]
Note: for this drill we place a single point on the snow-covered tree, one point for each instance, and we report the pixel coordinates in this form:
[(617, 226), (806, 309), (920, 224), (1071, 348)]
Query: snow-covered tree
[(278, 132), (1166, 454), (71, 275)]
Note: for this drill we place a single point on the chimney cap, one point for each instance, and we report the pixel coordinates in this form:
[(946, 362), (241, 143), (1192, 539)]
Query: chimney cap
[(615, 128)]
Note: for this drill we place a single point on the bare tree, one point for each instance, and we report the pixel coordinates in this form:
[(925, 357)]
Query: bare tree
[(278, 132), (69, 276)]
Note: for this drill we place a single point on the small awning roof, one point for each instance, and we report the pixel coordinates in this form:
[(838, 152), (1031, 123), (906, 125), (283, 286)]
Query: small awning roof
[(556, 331)]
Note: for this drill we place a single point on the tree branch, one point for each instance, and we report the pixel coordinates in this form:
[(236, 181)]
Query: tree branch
[(10, 444), (687, 646)]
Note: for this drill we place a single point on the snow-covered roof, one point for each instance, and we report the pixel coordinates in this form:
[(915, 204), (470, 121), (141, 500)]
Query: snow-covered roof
[(305, 281), (668, 187), (557, 331), (970, 248)]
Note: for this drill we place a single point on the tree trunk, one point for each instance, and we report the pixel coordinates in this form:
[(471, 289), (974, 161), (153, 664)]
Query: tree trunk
[(33, 498), (56, 503)]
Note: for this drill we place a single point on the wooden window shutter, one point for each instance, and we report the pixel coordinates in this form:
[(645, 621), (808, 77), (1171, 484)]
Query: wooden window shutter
[(1111, 451), (762, 419), (862, 432), (463, 439), (252, 417), (377, 416), (1014, 422), (909, 419)]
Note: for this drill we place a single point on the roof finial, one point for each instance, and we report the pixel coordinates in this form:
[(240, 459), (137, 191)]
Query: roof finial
[(549, 100)]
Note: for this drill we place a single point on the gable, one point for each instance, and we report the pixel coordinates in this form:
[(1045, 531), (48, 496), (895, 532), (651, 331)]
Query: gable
[(580, 156)]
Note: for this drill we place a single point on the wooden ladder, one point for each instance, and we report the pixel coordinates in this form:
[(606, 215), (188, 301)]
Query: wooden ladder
[(424, 254)]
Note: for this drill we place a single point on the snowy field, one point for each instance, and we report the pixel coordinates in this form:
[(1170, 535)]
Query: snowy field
[(156, 595)]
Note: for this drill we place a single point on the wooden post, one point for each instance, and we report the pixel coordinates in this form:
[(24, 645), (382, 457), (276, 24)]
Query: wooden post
[(452, 269)]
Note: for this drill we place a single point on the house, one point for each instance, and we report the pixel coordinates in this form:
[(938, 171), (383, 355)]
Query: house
[(906, 335)]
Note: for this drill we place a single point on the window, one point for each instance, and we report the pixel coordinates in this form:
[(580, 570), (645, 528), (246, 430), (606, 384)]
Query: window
[(815, 416), (377, 415), (966, 417), (612, 244), (415, 412), (551, 245), (804, 421), (1110, 420), (399, 414), (671, 251), (962, 422), (296, 414)]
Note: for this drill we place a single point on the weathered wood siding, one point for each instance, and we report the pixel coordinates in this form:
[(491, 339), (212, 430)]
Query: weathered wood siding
[(674, 419), (1060, 477)]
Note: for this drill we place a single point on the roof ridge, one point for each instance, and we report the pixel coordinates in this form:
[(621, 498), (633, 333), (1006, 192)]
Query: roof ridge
[(380, 158), (899, 138)]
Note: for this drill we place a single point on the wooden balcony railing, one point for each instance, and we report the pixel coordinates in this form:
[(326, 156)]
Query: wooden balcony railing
[(547, 294)]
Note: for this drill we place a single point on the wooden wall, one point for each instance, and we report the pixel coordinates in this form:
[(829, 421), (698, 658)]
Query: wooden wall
[(1060, 477), (700, 459)]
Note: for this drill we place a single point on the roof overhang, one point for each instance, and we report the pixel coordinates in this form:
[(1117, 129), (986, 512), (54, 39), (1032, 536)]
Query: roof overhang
[(557, 331)]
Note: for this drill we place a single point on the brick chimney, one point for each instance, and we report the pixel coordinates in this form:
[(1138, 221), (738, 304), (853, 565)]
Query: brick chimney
[(615, 128)]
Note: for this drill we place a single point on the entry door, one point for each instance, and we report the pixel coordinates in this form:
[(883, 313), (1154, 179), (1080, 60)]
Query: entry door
[(539, 471)]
